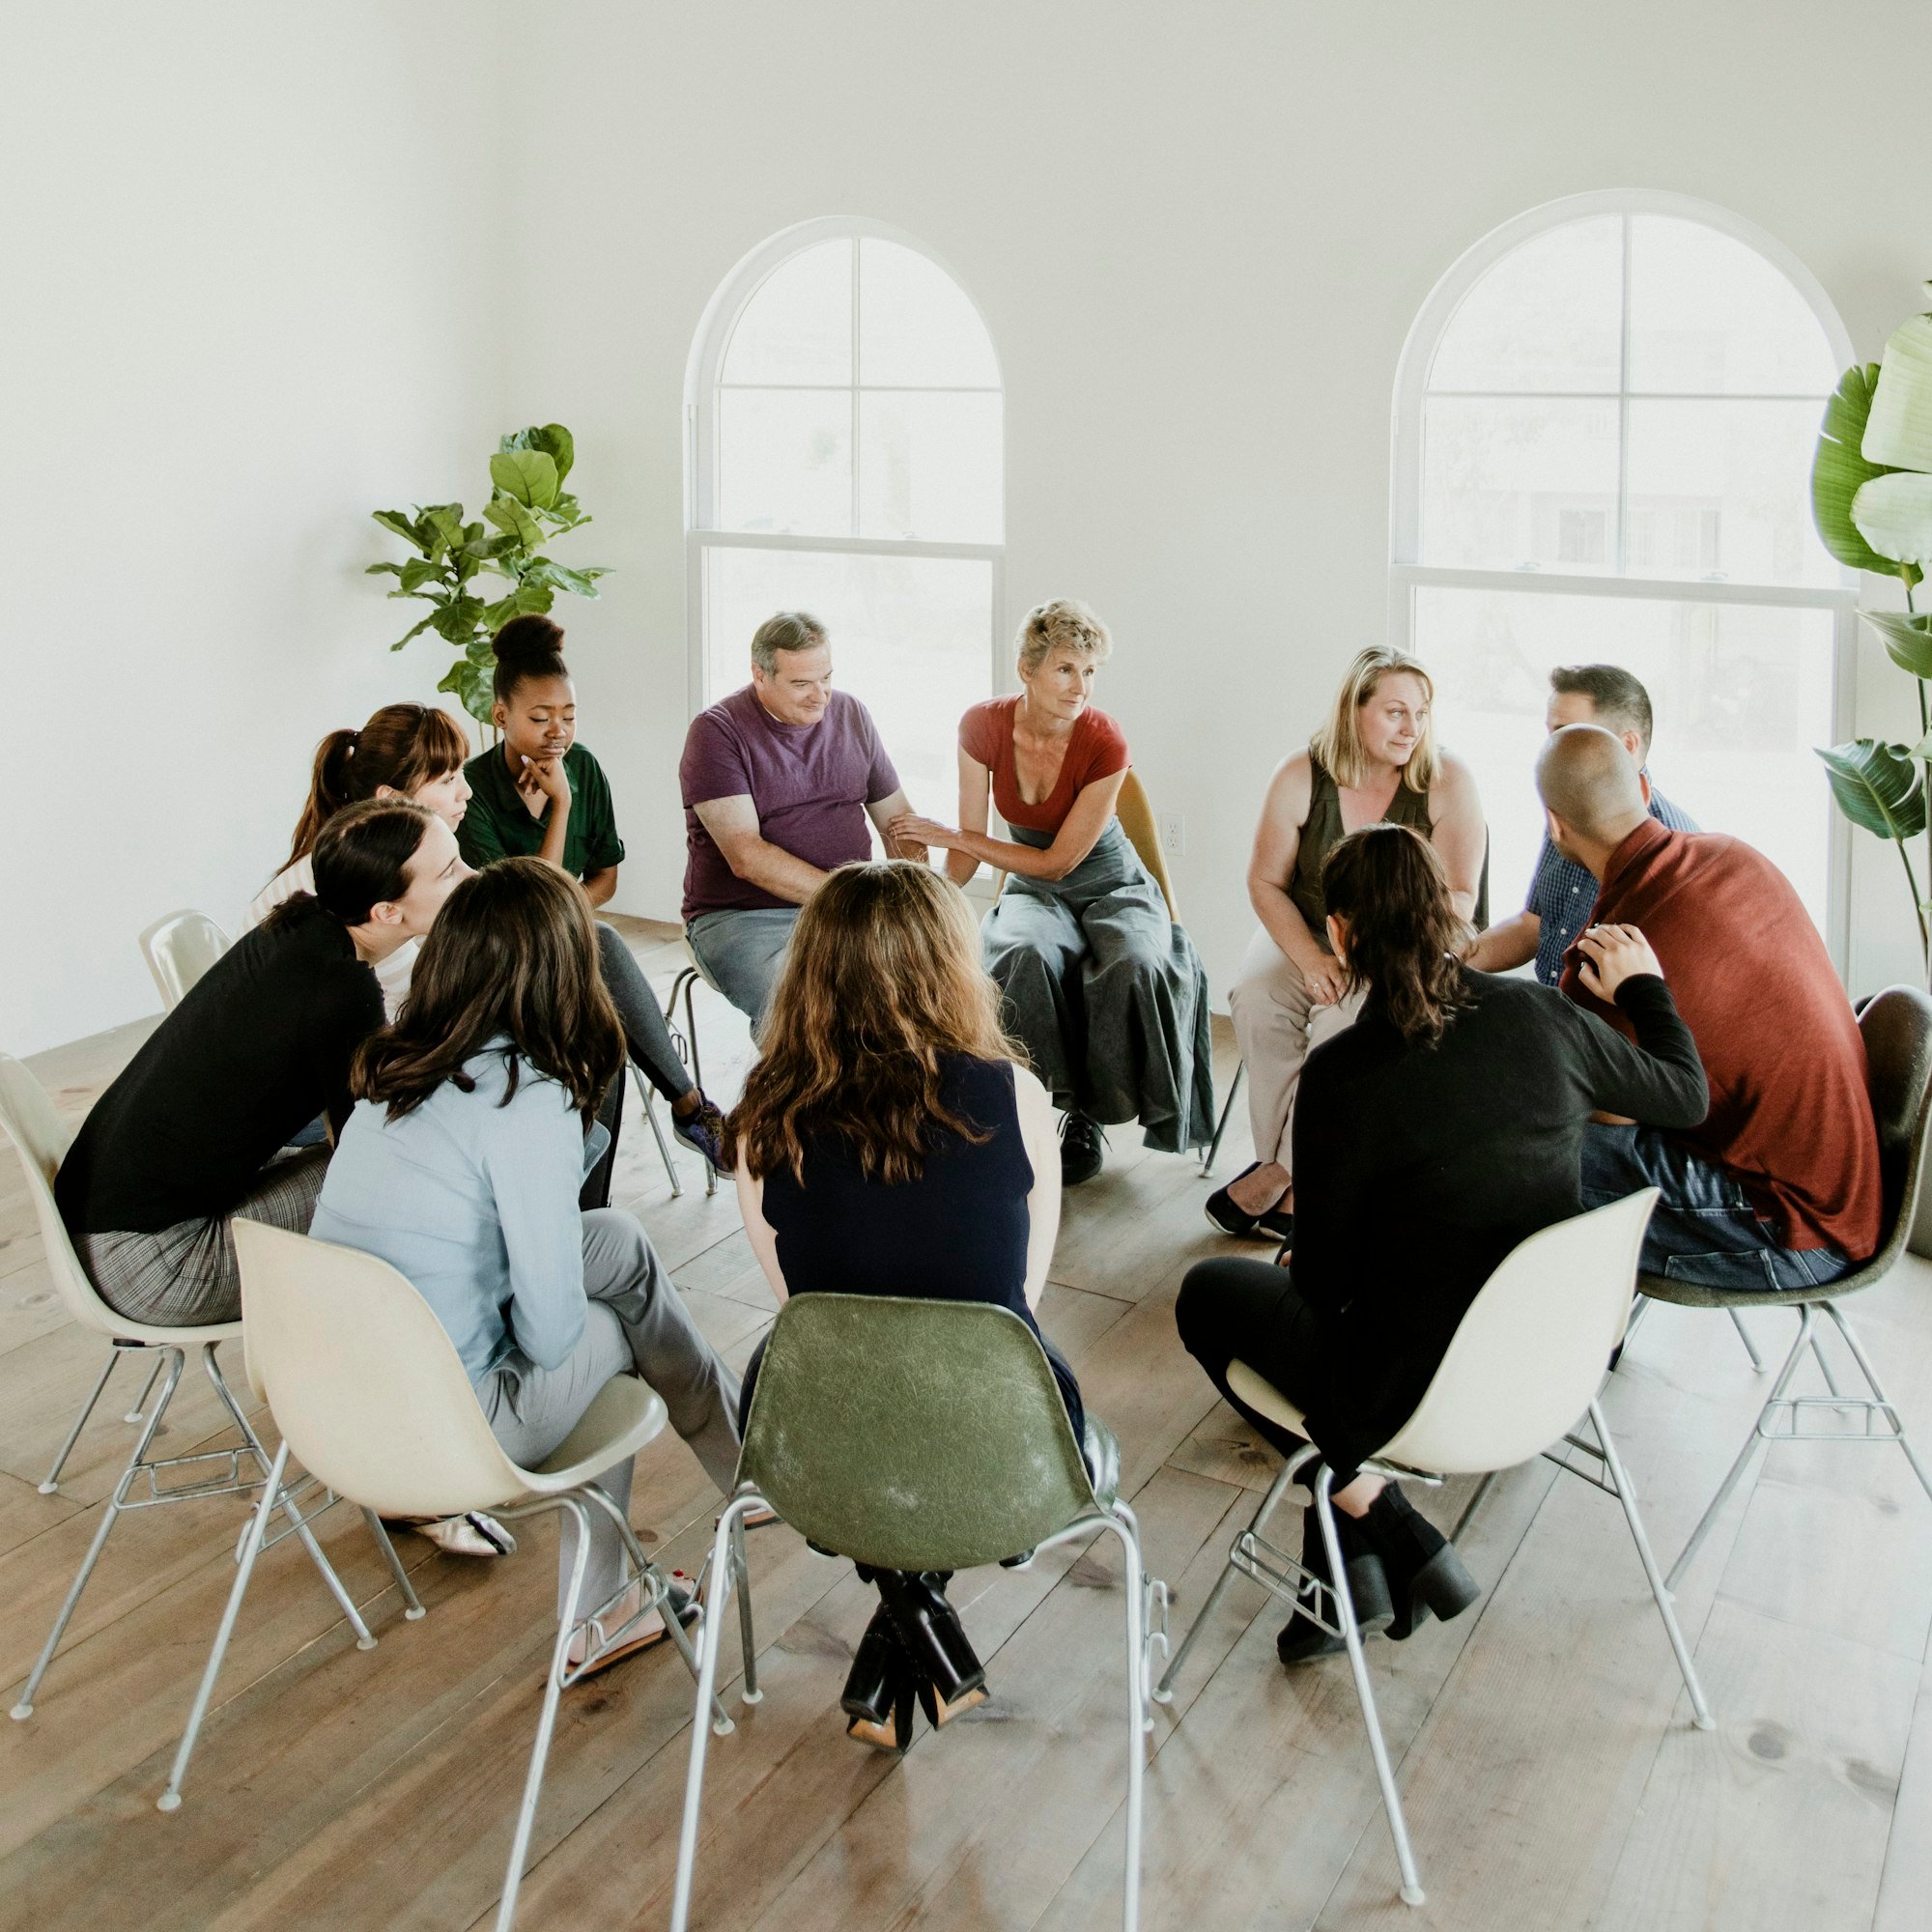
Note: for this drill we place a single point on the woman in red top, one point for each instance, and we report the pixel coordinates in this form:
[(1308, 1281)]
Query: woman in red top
[(1103, 988)]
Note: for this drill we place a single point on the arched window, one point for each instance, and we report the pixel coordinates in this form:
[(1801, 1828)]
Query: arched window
[(846, 458), (1604, 423)]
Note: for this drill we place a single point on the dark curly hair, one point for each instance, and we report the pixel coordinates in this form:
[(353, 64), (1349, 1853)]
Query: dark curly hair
[(1386, 885)]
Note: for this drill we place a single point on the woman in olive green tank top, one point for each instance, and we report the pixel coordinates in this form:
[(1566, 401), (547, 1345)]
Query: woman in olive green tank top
[(1375, 758)]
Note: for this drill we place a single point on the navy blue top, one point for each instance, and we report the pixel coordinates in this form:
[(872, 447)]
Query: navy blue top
[(959, 1233)]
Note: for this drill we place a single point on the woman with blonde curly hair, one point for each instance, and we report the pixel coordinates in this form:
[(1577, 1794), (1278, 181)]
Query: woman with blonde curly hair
[(894, 1145), (1103, 987), (1374, 761)]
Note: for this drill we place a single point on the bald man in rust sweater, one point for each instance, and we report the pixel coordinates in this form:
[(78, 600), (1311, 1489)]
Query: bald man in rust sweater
[(1779, 1186)]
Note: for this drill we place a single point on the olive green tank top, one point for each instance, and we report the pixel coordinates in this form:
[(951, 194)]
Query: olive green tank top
[(1324, 831)]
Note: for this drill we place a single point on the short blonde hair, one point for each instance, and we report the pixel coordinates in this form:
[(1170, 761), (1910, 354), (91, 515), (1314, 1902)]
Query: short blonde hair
[(1338, 744), (1065, 624)]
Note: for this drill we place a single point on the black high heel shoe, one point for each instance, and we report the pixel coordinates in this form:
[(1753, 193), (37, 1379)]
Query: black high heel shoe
[(879, 1688), (1425, 1571), (952, 1679)]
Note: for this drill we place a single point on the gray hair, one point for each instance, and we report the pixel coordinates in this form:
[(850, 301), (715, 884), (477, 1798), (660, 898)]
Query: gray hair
[(788, 630), (1064, 624)]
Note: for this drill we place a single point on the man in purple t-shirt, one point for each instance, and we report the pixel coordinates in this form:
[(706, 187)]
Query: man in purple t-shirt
[(777, 781)]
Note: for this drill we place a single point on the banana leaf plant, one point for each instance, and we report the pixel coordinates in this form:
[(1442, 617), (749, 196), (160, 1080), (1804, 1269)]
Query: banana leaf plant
[(528, 507), (1871, 500)]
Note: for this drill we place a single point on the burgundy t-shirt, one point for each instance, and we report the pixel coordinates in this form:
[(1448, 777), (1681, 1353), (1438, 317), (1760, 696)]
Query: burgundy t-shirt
[(1097, 750), (1790, 1111), (809, 783)]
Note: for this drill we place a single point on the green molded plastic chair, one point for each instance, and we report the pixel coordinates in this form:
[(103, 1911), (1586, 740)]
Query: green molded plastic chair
[(1897, 1030), (958, 1454)]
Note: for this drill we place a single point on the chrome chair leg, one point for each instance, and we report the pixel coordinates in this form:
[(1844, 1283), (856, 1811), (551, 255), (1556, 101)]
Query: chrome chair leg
[(1750, 1347), (412, 1607), (1123, 1525), (750, 1691), (664, 1147), (51, 1483), (1338, 1569), (1627, 1497), (134, 1415), (1221, 1126), (24, 1707), (1163, 1691), (1865, 1369), (685, 982)]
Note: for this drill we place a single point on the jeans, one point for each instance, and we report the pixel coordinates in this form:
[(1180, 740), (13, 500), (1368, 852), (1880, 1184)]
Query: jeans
[(740, 952), (647, 1034), (1704, 1229)]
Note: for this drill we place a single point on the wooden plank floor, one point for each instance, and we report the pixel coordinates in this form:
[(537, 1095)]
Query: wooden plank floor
[(1542, 1743)]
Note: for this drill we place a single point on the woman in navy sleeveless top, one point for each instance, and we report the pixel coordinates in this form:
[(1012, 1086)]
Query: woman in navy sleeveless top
[(891, 1144)]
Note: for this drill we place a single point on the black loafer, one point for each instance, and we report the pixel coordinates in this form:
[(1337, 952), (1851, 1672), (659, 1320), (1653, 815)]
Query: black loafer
[(1081, 1141), (1273, 1223)]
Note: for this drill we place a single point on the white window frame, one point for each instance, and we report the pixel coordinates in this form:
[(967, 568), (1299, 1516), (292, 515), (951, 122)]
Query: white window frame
[(701, 428), (1407, 573)]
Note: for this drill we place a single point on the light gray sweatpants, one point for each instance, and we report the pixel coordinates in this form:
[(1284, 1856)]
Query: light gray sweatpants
[(636, 1324)]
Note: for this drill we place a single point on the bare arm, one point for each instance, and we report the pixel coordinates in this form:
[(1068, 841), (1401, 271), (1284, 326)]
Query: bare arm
[(546, 778), (733, 825), (1271, 865), (598, 886), (1042, 1145), (759, 1231), (883, 812), (1079, 833), (975, 794), (1459, 833), (1509, 943)]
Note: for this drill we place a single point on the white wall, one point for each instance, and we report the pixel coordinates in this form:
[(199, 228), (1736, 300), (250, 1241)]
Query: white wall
[(250, 297), (1200, 235), (270, 267)]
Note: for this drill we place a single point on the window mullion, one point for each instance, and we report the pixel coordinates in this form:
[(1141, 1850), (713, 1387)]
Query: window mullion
[(858, 379), (1624, 406)]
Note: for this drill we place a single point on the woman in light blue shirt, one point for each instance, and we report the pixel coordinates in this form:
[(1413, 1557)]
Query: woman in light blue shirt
[(460, 1167)]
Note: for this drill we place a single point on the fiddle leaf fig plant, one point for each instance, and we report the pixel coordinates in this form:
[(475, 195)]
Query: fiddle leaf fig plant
[(1871, 500), (529, 508)]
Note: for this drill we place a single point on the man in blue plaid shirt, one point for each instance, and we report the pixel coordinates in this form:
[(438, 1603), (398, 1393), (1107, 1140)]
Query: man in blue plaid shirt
[(1562, 893)]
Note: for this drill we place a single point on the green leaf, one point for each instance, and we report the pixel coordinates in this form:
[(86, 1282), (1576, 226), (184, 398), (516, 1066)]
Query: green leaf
[(481, 651), (444, 522), (472, 686), (1876, 786), (1894, 514), (381, 569), (1839, 471), (578, 582), (421, 570), (400, 526), (526, 600), (1898, 435), (553, 439), (1908, 640), (526, 475), (458, 619), (415, 632), (510, 517)]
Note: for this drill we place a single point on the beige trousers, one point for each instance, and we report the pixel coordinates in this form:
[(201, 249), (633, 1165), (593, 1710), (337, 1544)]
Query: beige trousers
[(1276, 1024)]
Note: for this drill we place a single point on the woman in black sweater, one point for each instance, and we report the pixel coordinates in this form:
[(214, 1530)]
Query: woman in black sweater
[(1433, 1136)]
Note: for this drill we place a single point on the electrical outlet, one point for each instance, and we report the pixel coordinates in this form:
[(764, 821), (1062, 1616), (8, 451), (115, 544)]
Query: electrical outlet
[(1174, 832)]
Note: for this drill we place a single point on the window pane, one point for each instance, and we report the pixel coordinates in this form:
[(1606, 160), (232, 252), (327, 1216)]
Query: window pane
[(911, 637), (1721, 489), (1508, 482), (1710, 314), (929, 466), (916, 329), (785, 461), (1741, 693), (1547, 316), (798, 327)]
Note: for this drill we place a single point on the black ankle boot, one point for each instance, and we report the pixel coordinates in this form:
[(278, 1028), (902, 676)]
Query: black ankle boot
[(879, 1688), (1424, 1570), (1302, 1640), (934, 1640)]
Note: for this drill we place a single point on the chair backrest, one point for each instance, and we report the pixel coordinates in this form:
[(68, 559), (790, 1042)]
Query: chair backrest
[(362, 1378), (42, 1139), (179, 950), (1528, 1356), (1135, 812), (912, 1434), (1898, 1029)]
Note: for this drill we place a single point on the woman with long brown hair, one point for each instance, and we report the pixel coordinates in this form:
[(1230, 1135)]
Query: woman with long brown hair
[(475, 1121), (1440, 1130), (891, 1143)]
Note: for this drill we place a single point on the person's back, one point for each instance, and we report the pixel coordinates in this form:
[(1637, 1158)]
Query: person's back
[(258, 1049), (1790, 1108)]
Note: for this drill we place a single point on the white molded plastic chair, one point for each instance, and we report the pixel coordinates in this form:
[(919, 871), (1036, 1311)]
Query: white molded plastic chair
[(370, 1394), (179, 950), (42, 1139), (1525, 1362)]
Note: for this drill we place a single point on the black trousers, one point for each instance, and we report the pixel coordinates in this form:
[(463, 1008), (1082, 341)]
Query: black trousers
[(1235, 1310)]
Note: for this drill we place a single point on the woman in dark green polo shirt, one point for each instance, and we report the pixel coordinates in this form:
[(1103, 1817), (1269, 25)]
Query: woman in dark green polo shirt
[(540, 794)]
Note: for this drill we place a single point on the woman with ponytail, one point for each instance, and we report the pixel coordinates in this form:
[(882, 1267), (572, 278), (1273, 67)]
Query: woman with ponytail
[(405, 751), (1429, 1138), (542, 795)]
